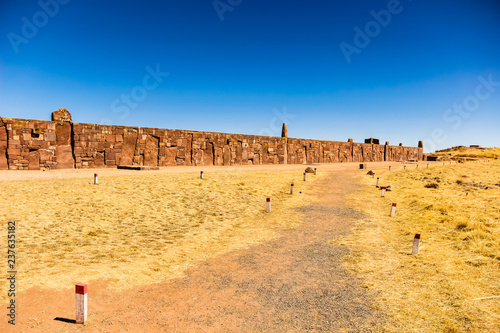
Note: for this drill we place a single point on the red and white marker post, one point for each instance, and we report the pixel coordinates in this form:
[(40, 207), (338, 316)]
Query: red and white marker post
[(405, 167), (201, 174), (315, 171), (417, 166), (416, 243), (377, 182), (389, 168), (393, 209), (95, 178), (81, 303), (304, 176), (427, 164), (268, 204), (383, 190), (291, 189)]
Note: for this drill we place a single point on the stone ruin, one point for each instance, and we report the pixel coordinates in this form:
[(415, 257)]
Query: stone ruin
[(63, 144)]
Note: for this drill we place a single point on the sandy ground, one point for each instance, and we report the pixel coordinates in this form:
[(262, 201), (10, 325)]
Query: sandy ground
[(12, 175), (294, 283)]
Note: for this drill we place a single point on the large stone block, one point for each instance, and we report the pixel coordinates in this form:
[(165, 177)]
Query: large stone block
[(128, 148), (151, 151), (34, 160), (63, 134), (64, 155), (61, 115), (49, 136), (170, 154)]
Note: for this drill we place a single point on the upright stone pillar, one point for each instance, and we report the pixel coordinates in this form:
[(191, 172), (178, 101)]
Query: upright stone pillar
[(284, 135), (64, 136), (421, 150), (386, 151), (4, 165)]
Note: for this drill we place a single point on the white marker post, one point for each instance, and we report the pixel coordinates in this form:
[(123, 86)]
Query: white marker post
[(95, 178), (377, 182), (291, 189), (405, 167), (417, 166), (389, 168), (383, 190), (315, 171), (81, 303), (201, 175), (268, 204), (427, 164), (304, 176), (416, 243), (393, 209)]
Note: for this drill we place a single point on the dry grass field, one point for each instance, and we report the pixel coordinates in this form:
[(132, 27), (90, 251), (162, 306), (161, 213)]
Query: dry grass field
[(467, 152), (140, 229), (453, 284)]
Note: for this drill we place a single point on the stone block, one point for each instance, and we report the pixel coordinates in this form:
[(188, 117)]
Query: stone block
[(61, 115), (110, 138), (49, 136), (34, 160), (63, 134), (11, 151), (128, 148), (64, 155), (170, 154)]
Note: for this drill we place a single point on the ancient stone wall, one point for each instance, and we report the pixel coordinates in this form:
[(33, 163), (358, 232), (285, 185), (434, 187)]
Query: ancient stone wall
[(60, 144)]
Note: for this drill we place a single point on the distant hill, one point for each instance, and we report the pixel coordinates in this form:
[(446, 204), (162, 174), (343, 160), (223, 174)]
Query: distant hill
[(459, 152)]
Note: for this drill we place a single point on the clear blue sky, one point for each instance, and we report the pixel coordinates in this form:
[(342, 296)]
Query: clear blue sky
[(398, 71)]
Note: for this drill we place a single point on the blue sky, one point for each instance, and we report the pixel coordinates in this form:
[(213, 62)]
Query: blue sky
[(400, 71)]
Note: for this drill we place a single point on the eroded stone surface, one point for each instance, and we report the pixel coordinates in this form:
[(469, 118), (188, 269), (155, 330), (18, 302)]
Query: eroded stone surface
[(60, 143)]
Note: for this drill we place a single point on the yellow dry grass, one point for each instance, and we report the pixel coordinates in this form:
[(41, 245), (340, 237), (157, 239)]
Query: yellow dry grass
[(141, 229), (468, 152), (453, 284)]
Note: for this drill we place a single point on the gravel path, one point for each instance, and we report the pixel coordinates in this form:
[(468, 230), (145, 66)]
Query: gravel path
[(294, 283)]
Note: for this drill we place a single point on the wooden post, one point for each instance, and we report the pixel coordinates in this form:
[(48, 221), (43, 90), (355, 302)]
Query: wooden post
[(393, 209), (268, 204), (81, 303), (291, 189), (416, 243), (383, 190), (201, 175), (95, 178)]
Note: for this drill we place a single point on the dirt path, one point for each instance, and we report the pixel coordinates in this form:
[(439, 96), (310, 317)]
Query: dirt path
[(292, 284)]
